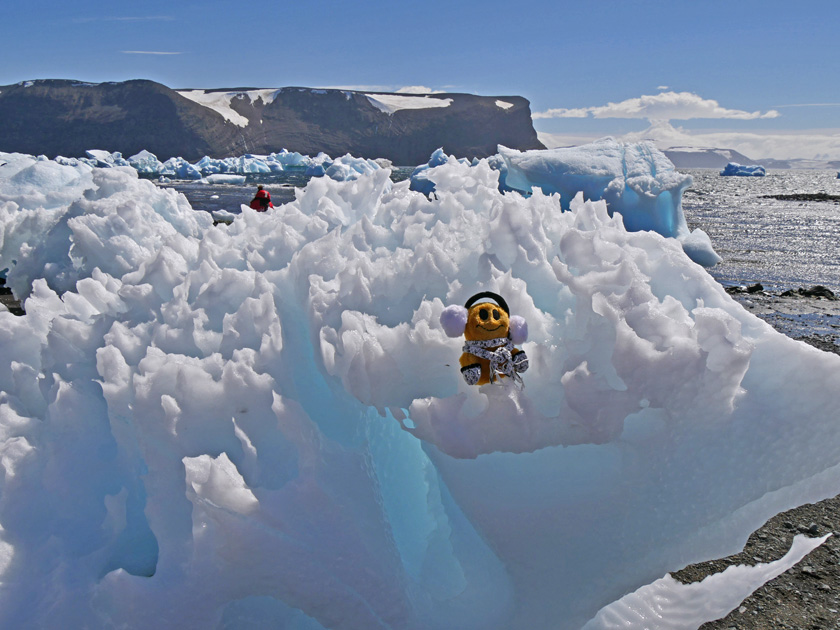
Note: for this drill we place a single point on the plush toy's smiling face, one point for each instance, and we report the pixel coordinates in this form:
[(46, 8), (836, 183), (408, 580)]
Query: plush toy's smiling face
[(486, 321)]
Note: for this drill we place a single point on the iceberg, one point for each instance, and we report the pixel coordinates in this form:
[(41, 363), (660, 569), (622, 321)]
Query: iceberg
[(635, 179), (733, 168), (419, 180), (263, 424), (145, 162), (105, 159), (212, 170), (179, 168), (348, 168)]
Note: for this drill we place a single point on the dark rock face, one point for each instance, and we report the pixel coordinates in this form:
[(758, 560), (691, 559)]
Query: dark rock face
[(57, 117), (67, 118)]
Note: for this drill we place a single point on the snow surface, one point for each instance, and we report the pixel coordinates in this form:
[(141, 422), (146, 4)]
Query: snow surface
[(264, 425), (504, 104), (221, 102), (733, 168), (390, 103)]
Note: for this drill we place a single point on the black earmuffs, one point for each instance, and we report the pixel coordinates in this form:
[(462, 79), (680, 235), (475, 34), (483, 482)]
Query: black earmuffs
[(498, 299)]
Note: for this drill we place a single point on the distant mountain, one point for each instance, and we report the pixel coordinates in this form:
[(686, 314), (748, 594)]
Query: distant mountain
[(698, 157), (801, 164), (694, 157), (60, 117)]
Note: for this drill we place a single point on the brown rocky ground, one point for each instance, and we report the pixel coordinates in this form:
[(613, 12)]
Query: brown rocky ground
[(8, 300)]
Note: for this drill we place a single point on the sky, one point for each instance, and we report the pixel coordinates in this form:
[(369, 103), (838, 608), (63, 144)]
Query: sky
[(761, 78)]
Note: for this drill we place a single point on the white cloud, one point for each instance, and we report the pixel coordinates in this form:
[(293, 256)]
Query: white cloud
[(662, 106), (581, 112), (662, 87), (407, 89), (358, 88), (148, 52), (674, 105), (812, 144), (417, 89)]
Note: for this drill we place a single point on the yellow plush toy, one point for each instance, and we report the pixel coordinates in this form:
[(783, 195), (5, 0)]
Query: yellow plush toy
[(491, 333)]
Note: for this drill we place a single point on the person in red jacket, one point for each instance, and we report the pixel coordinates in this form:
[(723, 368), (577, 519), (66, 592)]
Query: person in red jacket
[(262, 200)]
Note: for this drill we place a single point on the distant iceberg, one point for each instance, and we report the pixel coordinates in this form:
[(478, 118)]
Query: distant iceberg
[(343, 168), (733, 168), (224, 178)]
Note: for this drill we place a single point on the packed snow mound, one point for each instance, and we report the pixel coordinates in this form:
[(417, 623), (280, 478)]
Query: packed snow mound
[(264, 422), (733, 168)]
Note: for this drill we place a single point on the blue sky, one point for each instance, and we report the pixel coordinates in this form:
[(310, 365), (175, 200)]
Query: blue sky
[(762, 77)]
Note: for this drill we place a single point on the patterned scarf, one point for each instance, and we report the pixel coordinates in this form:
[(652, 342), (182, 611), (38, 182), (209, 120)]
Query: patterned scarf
[(501, 359)]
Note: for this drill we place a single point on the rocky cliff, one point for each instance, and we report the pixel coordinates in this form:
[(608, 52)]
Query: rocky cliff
[(59, 117)]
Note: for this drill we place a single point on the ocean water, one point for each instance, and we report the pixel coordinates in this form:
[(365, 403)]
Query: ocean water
[(230, 197), (782, 244)]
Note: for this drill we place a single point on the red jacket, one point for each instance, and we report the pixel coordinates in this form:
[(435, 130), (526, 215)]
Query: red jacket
[(261, 201)]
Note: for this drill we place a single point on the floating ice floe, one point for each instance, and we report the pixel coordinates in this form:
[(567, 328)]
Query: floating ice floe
[(146, 162), (264, 422), (733, 168), (224, 178)]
